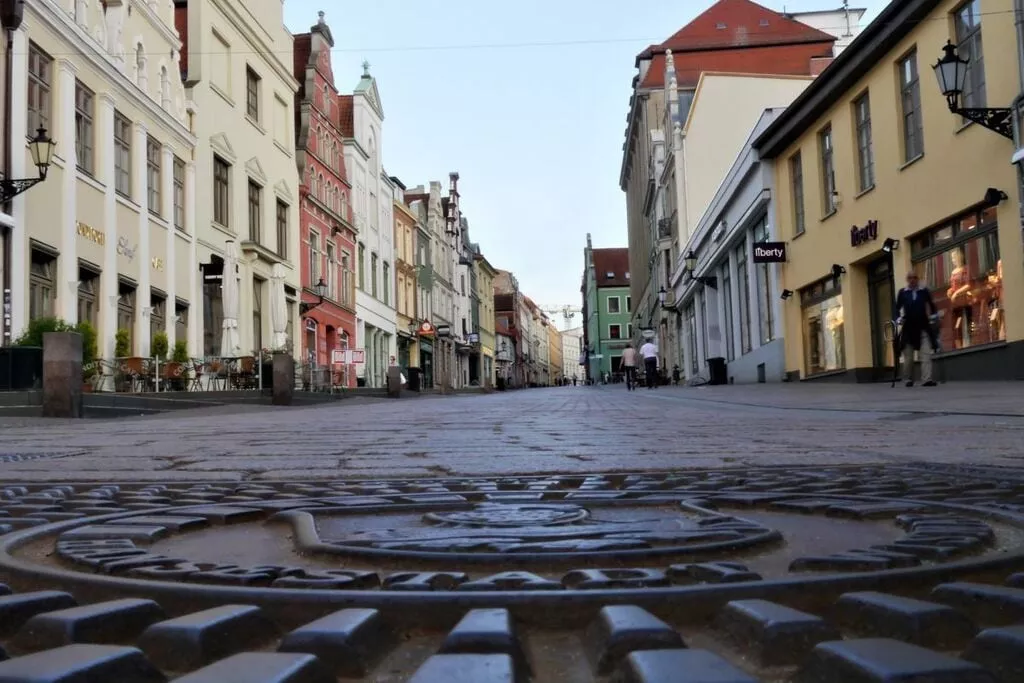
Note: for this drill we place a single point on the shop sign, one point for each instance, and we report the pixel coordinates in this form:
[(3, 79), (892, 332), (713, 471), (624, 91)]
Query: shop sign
[(474, 338), (444, 331), (868, 233), (90, 233), (426, 329), (158, 264), (125, 249), (770, 252)]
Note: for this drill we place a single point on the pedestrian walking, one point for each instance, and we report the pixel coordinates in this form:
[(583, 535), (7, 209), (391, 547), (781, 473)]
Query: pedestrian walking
[(650, 353), (629, 367), (913, 314)]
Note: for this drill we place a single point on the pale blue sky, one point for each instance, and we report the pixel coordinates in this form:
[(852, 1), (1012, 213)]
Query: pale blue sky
[(526, 100)]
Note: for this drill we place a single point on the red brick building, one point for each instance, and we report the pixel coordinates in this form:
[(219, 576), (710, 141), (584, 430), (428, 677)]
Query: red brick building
[(328, 235)]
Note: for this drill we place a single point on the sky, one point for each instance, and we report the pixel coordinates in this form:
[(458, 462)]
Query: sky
[(527, 100)]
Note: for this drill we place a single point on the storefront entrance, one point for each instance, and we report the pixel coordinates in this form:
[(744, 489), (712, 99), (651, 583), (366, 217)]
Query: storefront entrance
[(881, 297)]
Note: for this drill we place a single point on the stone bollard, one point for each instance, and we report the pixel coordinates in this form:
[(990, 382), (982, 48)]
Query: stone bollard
[(283, 379), (394, 382), (62, 374)]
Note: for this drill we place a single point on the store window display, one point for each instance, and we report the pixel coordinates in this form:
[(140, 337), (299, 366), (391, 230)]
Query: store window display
[(960, 262), (823, 323)]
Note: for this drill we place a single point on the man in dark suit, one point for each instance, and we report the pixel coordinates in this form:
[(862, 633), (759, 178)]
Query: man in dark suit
[(914, 311)]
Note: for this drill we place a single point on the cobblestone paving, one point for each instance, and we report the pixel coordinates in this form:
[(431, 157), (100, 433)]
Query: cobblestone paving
[(602, 429)]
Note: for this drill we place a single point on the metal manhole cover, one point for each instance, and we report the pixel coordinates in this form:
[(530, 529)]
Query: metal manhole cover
[(559, 577)]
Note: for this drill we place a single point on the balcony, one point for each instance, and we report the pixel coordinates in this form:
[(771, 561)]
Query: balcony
[(666, 230)]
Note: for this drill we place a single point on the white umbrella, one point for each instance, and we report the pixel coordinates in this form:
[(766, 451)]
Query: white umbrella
[(230, 342), (278, 308)]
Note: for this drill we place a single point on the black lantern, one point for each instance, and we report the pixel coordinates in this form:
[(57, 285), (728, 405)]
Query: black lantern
[(837, 270), (320, 288), (41, 147), (661, 296), (690, 261), (951, 73), (890, 245)]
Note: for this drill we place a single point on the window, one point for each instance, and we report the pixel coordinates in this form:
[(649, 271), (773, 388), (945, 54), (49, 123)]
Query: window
[(257, 314), (153, 151), (730, 347), (613, 304), (629, 330), (282, 229), (362, 266), (796, 178), (252, 94), (84, 108), (178, 171), (122, 154), (615, 331), (181, 321), (828, 170), (40, 80), (960, 263), (220, 64), (765, 297), (314, 257), (126, 315), (967, 22), (743, 289), (332, 272), (213, 318), (346, 279), (629, 304), (255, 209), (221, 192), (910, 104), (373, 275), (88, 287), (387, 284), (691, 339), (157, 316), (822, 316), (42, 285), (865, 152)]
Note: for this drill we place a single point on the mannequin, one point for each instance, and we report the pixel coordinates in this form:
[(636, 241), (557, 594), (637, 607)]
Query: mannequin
[(996, 322), (834, 323), (961, 298)]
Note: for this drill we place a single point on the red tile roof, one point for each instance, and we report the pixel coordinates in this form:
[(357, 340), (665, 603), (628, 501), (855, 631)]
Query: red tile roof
[(615, 261), (347, 116), (792, 60), (300, 56)]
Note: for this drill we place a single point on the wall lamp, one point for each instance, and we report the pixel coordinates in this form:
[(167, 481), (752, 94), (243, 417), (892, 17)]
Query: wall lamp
[(41, 148), (890, 245), (787, 294), (690, 262), (951, 73), (837, 270), (994, 197), (321, 291)]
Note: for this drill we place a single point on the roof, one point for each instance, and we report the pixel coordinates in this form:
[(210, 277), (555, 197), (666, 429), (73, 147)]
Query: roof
[(346, 116), (615, 261), (776, 60), (867, 51)]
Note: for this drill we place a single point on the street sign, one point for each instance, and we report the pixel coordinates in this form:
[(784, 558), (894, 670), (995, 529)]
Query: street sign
[(358, 356)]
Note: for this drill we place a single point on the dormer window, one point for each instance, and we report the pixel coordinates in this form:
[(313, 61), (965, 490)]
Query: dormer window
[(610, 275), (720, 25), (764, 22)]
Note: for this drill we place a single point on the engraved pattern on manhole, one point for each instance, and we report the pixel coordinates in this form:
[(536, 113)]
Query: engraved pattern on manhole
[(500, 515)]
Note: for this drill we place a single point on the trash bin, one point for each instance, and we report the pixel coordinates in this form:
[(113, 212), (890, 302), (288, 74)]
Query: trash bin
[(21, 368), (413, 379), (716, 371)]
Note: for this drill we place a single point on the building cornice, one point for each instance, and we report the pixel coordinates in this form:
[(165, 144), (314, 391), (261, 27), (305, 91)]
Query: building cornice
[(261, 46), (83, 45), (169, 32)]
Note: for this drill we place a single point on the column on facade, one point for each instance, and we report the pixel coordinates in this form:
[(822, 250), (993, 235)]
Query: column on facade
[(170, 262), (109, 285), (143, 295), (19, 131), (195, 300), (64, 123)]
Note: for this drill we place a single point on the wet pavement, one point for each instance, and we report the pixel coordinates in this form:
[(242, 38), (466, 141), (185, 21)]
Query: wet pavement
[(788, 534)]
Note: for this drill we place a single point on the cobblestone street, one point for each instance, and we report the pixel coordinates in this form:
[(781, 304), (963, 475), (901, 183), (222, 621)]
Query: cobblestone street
[(593, 429)]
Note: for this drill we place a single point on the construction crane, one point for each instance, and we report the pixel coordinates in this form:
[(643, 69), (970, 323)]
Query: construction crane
[(565, 310)]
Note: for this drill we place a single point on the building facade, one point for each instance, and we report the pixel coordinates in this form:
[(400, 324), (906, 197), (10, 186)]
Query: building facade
[(508, 307), (442, 304), (362, 119), (405, 279), (117, 248), (572, 350), (608, 309), (327, 233), (237, 68), (871, 132), (426, 207), (556, 371), (729, 303), (485, 274)]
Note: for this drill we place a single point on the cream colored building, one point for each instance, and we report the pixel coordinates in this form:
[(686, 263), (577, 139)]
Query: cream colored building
[(237, 67), (485, 274), (109, 236)]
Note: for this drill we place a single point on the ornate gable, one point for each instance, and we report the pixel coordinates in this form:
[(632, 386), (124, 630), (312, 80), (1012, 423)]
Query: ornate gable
[(222, 146), (255, 170), (368, 88)]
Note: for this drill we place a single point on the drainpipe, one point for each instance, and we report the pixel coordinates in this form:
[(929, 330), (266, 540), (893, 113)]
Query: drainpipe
[(8, 76), (1018, 7)]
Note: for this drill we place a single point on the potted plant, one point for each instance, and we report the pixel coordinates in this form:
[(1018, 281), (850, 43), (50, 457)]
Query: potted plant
[(122, 343), (90, 351), (27, 371), (159, 346), (178, 366)]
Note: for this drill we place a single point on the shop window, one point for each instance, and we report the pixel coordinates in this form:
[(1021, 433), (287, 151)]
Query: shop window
[(157, 315), (704, 320), (730, 348), (42, 285), (960, 263), (765, 296), (691, 339), (257, 313), (743, 290), (181, 322), (88, 287), (126, 314), (822, 317), (213, 317)]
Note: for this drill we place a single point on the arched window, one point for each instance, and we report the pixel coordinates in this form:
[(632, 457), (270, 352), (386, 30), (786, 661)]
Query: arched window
[(165, 88), (312, 181), (140, 66), (323, 188), (343, 207), (319, 140), (327, 101)]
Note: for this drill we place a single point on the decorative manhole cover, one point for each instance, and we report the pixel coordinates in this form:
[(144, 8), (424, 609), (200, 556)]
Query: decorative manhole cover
[(555, 578)]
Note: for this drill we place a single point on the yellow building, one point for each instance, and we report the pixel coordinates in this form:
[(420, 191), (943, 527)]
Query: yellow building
[(870, 156), (485, 274), (557, 371), (405, 281)]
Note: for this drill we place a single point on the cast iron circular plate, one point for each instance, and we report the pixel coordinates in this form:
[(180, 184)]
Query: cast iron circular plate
[(558, 578)]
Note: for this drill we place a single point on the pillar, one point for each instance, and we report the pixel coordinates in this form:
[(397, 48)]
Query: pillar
[(64, 125), (18, 132), (143, 296), (170, 262), (62, 374), (109, 287), (195, 295)]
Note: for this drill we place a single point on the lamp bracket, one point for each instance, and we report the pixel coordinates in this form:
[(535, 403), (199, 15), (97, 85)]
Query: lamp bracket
[(995, 119), (10, 189)]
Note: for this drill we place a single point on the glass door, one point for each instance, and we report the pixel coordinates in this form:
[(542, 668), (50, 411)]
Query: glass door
[(881, 296)]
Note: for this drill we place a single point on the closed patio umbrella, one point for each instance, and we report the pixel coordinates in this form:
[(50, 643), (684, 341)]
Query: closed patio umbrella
[(230, 341), (278, 308)]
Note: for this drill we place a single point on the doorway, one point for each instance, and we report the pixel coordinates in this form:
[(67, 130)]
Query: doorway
[(881, 297)]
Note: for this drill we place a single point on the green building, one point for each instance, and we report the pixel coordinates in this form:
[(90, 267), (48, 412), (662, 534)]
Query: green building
[(607, 309)]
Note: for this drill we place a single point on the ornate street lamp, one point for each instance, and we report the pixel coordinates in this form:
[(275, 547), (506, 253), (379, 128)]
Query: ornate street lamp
[(661, 296), (321, 291), (690, 261), (951, 73), (41, 148)]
